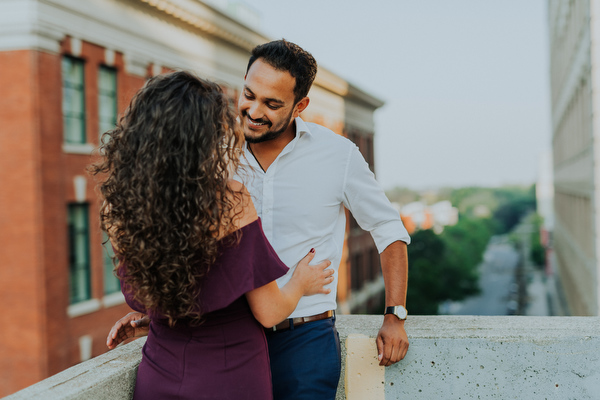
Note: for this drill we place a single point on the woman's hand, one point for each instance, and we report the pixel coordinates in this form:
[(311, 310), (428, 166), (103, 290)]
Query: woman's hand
[(312, 279), (270, 304), (134, 324)]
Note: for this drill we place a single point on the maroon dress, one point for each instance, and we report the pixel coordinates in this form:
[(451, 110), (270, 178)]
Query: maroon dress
[(226, 357)]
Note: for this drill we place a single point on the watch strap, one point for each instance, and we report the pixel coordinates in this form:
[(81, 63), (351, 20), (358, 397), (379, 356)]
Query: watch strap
[(394, 310)]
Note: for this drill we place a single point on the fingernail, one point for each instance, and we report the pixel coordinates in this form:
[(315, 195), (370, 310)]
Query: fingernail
[(312, 250)]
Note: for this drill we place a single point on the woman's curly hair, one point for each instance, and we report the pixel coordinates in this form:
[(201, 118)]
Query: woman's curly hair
[(164, 178)]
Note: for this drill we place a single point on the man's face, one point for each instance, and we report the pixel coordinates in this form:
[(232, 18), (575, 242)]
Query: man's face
[(266, 104)]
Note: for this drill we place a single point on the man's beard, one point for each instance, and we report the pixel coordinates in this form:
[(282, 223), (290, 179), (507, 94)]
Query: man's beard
[(269, 134)]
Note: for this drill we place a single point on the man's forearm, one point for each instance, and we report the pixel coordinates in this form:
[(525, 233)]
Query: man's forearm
[(394, 266), (392, 341)]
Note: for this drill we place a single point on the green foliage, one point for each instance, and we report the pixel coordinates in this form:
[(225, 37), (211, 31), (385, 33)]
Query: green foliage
[(515, 203), (465, 244), (537, 253), (469, 198), (402, 195), (425, 263), (506, 204), (444, 267)]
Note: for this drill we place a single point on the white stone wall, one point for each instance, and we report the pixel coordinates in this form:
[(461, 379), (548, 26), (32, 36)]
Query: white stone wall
[(449, 358), (574, 30)]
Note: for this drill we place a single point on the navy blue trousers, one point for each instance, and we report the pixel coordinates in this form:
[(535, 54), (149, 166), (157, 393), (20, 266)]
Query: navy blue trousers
[(305, 361)]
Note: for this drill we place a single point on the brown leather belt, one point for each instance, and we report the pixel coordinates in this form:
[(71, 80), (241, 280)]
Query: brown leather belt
[(300, 321)]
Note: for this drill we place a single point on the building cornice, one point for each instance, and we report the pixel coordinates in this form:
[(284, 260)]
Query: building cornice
[(209, 21), (42, 24), (132, 28), (363, 97), (335, 84)]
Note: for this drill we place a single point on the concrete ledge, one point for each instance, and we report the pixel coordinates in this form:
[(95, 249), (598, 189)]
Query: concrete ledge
[(450, 357), (110, 376), (469, 357)]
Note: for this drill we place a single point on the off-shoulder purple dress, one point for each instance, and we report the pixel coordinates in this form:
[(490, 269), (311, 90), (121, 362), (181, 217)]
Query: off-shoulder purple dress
[(226, 357)]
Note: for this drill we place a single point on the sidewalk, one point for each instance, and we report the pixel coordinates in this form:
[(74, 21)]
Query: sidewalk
[(537, 295), (538, 286)]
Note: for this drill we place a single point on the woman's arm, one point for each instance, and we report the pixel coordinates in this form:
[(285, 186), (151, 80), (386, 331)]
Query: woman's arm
[(271, 305)]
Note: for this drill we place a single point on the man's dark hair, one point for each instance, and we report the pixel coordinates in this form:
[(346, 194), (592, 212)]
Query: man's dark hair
[(287, 56)]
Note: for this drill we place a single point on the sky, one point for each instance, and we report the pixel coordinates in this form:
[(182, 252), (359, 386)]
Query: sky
[(465, 82)]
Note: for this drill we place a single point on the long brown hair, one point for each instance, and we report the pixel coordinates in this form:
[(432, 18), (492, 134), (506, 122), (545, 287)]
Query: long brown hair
[(165, 178)]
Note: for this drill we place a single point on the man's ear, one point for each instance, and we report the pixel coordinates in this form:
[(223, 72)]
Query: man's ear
[(301, 106)]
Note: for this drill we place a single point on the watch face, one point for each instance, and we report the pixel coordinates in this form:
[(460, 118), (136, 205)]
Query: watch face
[(398, 311), (401, 312)]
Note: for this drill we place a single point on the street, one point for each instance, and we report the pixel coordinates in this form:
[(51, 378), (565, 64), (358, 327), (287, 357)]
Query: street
[(497, 282)]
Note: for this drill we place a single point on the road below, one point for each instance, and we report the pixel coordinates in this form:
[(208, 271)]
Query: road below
[(496, 280)]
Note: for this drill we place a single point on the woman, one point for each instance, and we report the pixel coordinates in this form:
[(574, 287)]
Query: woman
[(191, 248)]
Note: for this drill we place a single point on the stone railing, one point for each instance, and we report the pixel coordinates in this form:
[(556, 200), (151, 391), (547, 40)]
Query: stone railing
[(450, 357)]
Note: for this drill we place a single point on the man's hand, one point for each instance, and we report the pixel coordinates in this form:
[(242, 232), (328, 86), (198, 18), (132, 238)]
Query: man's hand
[(134, 324), (392, 342)]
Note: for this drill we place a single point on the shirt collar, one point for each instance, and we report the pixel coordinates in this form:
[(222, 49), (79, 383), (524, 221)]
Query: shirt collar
[(301, 131), (301, 128)]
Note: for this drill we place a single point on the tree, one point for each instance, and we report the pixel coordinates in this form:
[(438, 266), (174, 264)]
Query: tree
[(445, 267), (425, 266), (402, 195), (515, 203), (537, 252), (465, 244)]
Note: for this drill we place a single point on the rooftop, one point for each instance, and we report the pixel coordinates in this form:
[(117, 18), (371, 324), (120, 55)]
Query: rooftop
[(450, 357)]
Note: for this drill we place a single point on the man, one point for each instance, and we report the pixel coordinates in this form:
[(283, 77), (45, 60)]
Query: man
[(302, 177)]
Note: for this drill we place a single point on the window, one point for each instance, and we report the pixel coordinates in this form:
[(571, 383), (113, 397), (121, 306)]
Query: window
[(73, 102), (107, 98), (111, 282), (79, 252)]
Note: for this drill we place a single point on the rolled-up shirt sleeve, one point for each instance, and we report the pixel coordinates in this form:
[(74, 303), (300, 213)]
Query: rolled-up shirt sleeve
[(367, 202)]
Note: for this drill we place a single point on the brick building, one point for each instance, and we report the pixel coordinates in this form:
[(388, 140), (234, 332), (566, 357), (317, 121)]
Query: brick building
[(68, 68)]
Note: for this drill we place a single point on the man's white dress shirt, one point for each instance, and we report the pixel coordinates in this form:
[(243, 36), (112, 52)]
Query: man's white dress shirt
[(301, 197)]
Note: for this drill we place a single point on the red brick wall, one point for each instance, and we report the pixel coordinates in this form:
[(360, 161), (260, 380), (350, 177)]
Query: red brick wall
[(38, 337), (66, 346), (21, 294)]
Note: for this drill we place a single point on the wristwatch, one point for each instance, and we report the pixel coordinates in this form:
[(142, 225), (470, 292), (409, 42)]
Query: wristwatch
[(398, 311)]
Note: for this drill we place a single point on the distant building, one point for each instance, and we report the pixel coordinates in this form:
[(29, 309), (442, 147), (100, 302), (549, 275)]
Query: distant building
[(574, 32), (444, 214), (418, 215), (69, 67)]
